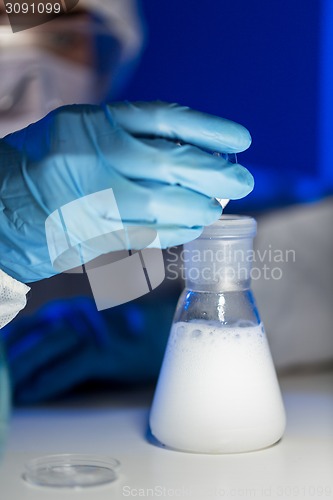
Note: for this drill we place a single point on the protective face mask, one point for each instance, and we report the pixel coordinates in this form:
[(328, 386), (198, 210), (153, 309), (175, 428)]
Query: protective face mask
[(34, 82)]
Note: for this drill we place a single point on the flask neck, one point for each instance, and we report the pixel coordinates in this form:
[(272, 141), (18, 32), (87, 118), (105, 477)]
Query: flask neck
[(218, 265)]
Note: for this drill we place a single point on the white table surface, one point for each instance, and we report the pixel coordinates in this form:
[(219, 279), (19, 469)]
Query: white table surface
[(300, 466)]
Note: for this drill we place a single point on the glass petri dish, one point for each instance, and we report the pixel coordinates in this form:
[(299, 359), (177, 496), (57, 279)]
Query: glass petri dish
[(71, 471)]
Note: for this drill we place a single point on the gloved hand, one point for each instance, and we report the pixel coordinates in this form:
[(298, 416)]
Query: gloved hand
[(76, 151), (69, 342)]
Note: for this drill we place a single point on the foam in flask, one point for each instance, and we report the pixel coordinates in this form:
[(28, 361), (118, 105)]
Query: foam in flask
[(218, 391)]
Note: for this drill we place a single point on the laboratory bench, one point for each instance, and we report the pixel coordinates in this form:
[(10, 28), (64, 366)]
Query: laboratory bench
[(115, 424)]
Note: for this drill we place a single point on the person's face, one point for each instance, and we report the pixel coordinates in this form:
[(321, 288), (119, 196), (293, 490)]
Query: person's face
[(54, 64), (69, 36)]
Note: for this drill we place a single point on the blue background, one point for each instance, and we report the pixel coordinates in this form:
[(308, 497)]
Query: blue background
[(256, 62)]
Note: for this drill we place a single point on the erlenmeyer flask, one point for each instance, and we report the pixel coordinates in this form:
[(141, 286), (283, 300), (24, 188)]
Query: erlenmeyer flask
[(218, 391)]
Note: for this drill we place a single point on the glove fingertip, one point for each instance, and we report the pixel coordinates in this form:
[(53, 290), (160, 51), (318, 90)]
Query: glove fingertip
[(242, 140), (246, 184), (213, 213)]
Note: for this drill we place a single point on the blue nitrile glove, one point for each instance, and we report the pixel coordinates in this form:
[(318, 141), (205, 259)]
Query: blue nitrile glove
[(69, 342), (76, 151)]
